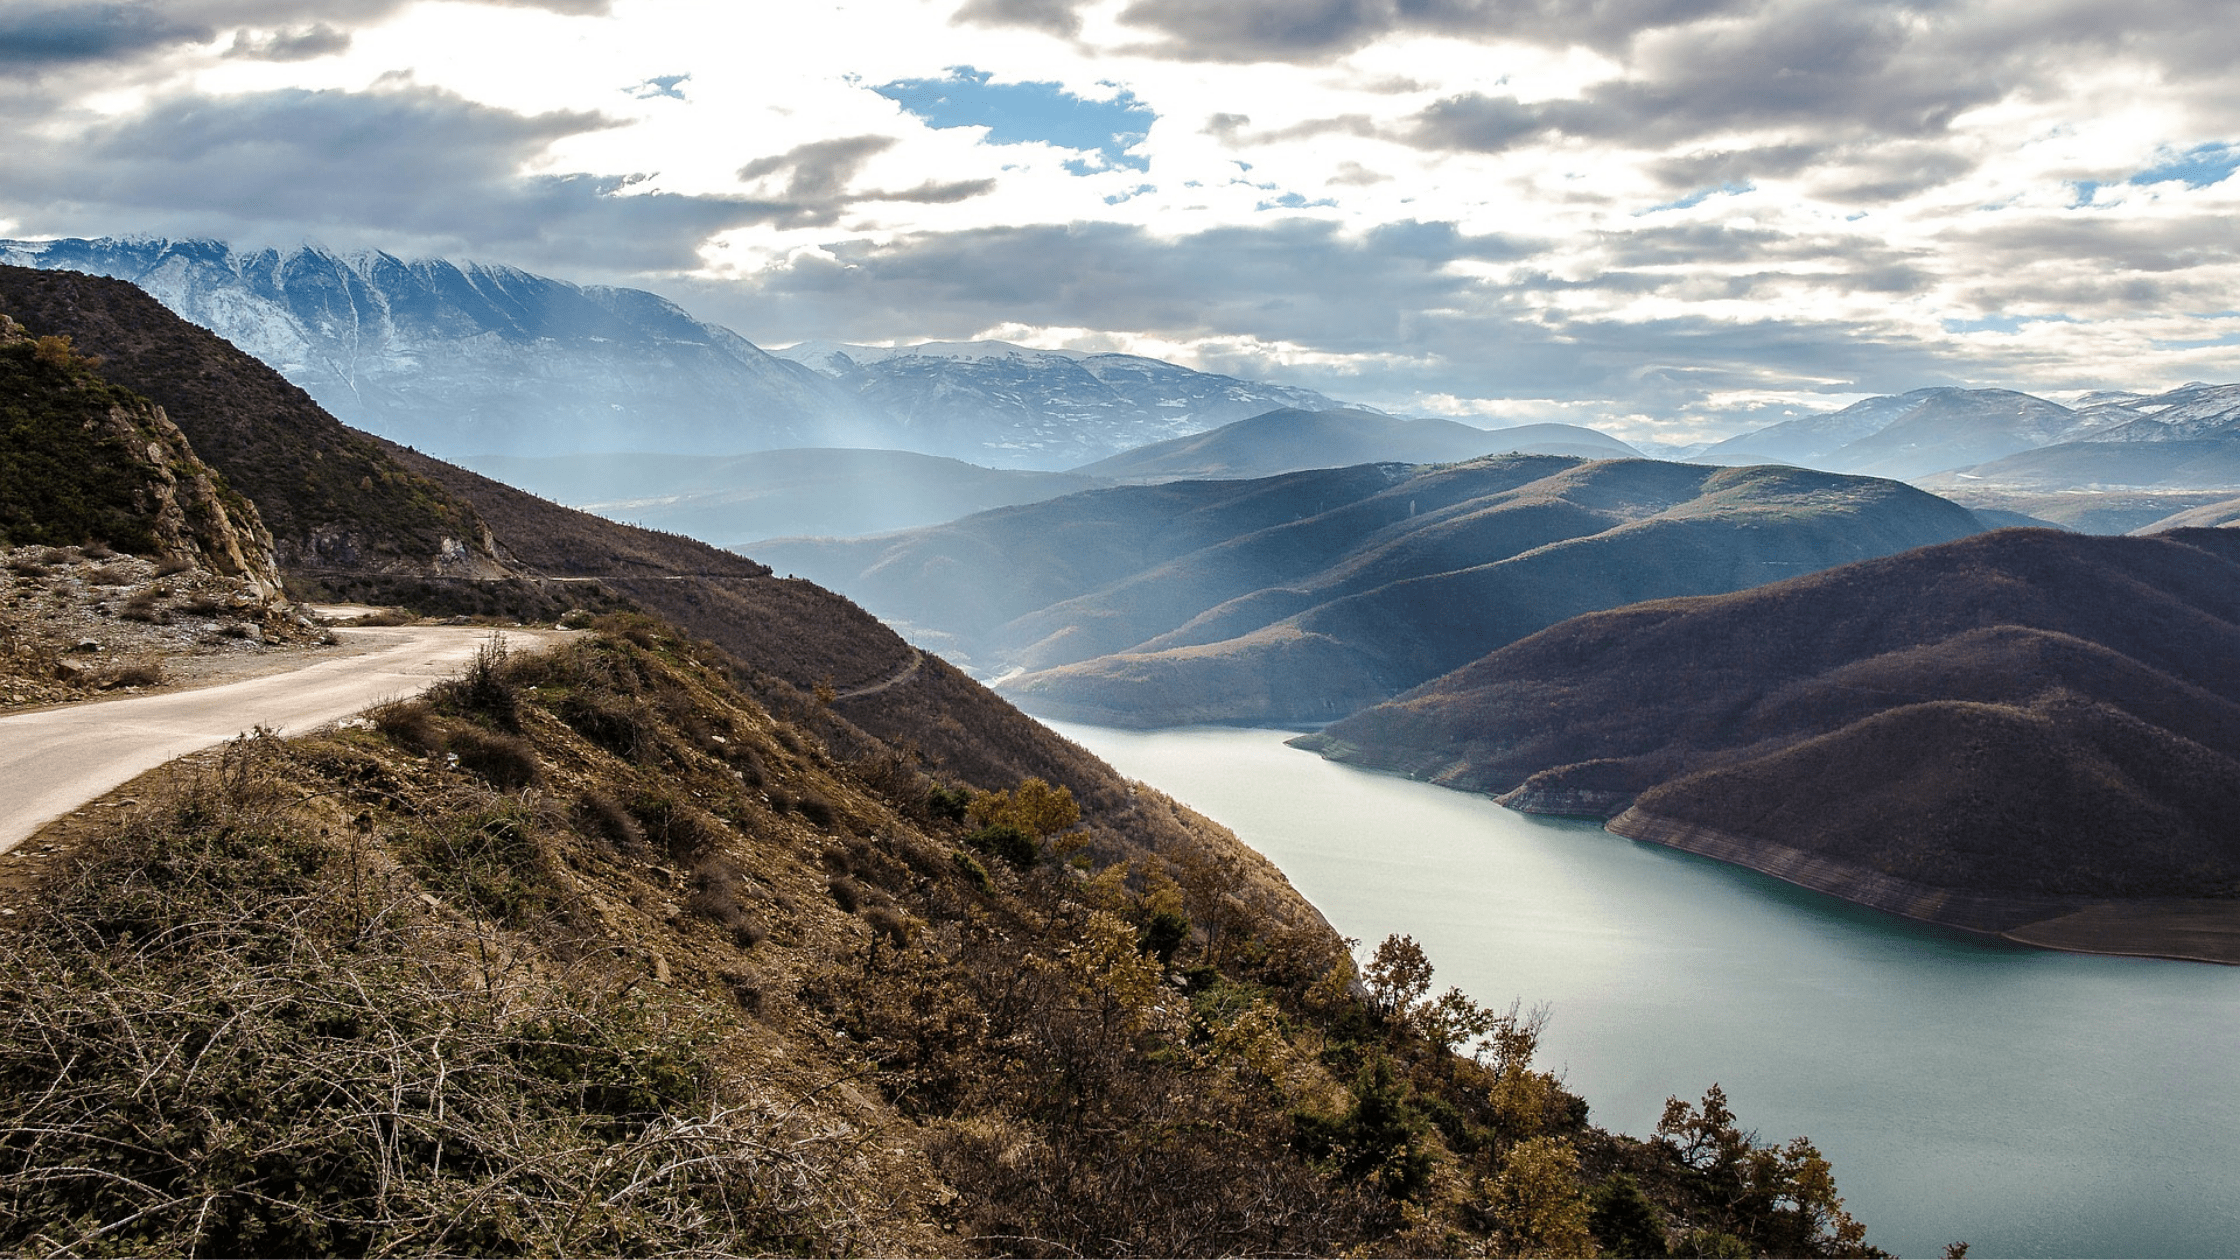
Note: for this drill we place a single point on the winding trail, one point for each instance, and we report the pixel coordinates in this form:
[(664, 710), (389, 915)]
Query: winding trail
[(899, 677), (56, 760)]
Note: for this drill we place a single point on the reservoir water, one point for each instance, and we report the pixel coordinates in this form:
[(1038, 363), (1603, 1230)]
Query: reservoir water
[(2028, 1102)]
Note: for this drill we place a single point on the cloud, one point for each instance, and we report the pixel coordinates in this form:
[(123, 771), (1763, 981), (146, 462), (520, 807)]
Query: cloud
[(1055, 17), (316, 40), (416, 168), (36, 35), (1323, 30)]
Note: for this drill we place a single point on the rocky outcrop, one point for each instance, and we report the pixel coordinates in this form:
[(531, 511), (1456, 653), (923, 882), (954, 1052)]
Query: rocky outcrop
[(132, 474)]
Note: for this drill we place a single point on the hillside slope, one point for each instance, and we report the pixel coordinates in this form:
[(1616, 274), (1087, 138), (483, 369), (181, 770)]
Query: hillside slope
[(1987, 732), (589, 952), (331, 496)]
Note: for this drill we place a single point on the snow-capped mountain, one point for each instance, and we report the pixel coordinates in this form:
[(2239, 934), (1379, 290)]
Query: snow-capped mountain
[(2189, 413), (1011, 406), (472, 359)]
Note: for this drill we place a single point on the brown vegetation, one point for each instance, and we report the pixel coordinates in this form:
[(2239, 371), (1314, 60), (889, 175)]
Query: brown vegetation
[(2024, 714), (356, 992)]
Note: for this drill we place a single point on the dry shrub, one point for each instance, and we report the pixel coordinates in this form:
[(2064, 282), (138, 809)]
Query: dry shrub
[(485, 689), (56, 555), (623, 725), (817, 810), (600, 815), (685, 832), (886, 921), (409, 724), (173, 564), (717, 898), (25, 567), (508, 762), (147, 672), (146, 606), (846, 893), (201, 606), (112, 575), (228, 1037)]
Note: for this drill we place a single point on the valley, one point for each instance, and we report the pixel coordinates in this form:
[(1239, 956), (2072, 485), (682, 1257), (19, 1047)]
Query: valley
[(1307, 596)]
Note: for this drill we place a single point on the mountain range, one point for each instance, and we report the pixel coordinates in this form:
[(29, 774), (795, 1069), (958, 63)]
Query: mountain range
[(2113, 462), (1304, 596), (475, 359), (1014, 407)]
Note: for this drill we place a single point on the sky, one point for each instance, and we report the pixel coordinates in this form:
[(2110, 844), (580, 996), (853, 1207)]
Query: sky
[(1671, 219)]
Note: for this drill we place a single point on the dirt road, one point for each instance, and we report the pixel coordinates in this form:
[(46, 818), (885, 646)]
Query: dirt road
[(54, 761)]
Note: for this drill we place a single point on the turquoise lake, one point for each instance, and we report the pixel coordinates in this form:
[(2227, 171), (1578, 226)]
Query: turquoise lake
[(2028, 1102)]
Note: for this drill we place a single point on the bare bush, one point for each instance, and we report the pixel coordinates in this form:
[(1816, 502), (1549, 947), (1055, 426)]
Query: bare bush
[(226, 1038)]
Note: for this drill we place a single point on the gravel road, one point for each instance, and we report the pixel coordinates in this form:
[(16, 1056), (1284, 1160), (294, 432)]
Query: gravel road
[(54, 761)]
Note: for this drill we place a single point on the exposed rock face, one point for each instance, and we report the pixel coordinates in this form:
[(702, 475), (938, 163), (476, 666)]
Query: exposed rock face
[(133, 473)]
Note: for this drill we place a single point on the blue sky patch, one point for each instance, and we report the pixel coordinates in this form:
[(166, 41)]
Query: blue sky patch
[(2197, 167), (1292, 201), (669, 85), (1698, 197), (2002, 323), (1026, 113)]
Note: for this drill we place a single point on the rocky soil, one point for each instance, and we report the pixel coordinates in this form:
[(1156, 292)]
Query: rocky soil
[(75, 623)]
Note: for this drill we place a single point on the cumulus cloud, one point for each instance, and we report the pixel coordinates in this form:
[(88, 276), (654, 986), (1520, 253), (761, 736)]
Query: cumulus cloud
[(403, 164), (1322, 30), (37, 35), (1056, 17), (304, 44)]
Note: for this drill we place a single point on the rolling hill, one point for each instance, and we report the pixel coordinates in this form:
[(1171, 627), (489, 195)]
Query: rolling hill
[(1293, 440), (1305, 596), (1990, 732)]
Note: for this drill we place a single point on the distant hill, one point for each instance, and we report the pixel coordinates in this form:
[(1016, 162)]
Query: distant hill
[(2223, 514), (819, 491), (478, 359), (1292, 440), (1909, 435), (1010, 406), (1305, 596), (2105, 486), (1988, 732)]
